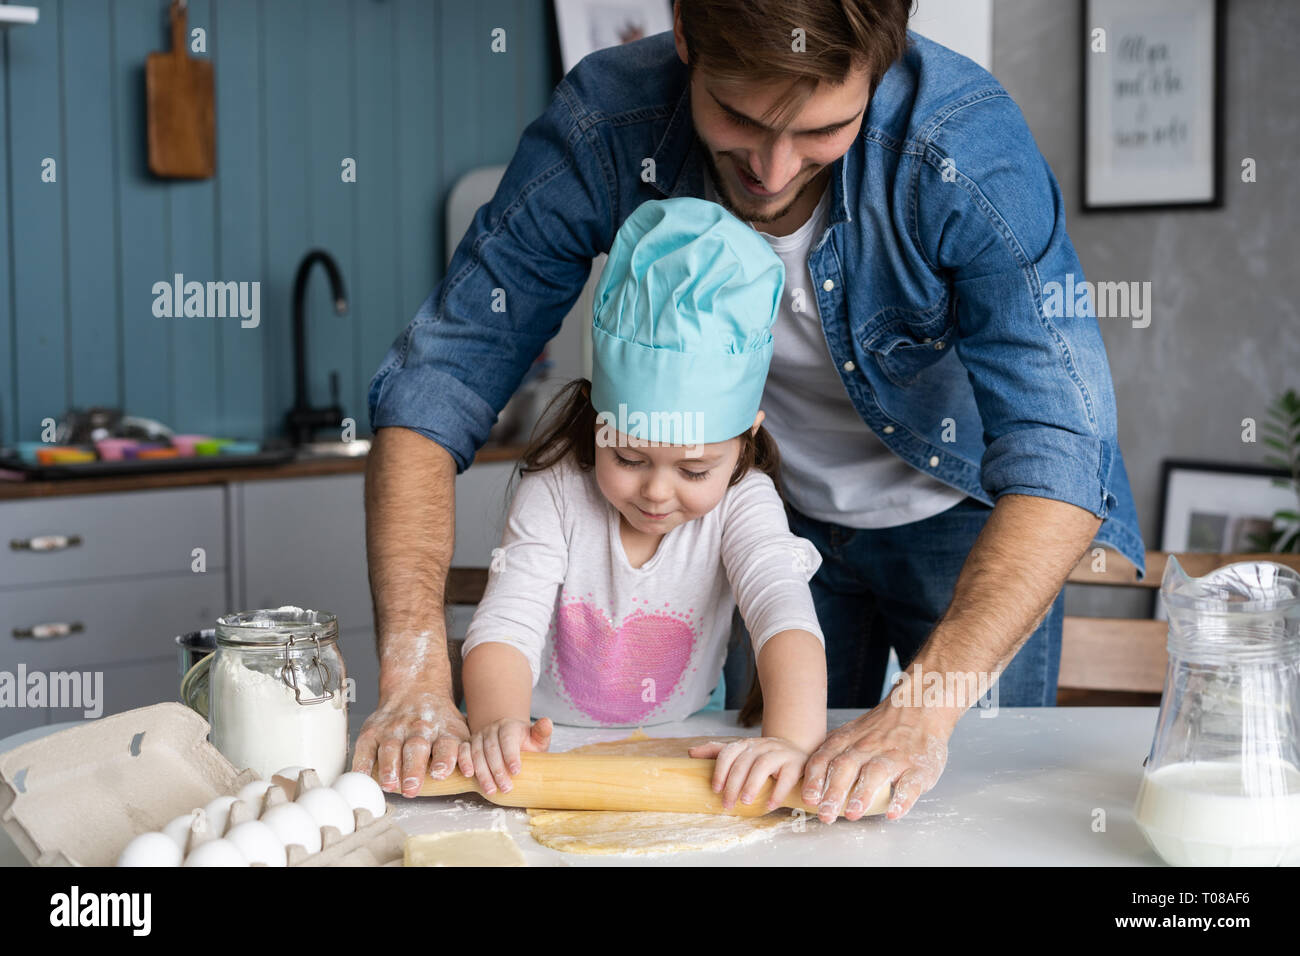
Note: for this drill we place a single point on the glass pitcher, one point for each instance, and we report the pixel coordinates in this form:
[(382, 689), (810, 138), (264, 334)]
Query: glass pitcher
[(1222, 780)]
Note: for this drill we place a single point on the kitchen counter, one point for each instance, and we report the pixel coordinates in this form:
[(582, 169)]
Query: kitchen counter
[(308, 467), (1022, 788)]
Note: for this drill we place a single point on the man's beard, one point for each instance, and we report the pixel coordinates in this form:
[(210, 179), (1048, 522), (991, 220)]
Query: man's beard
[(724, 198)]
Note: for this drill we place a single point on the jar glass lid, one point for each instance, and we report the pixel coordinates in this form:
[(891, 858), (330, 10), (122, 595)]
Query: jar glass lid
[(276, 626)]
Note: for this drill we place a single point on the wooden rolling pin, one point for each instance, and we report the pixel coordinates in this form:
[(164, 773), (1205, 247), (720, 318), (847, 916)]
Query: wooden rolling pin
[(595, 782)]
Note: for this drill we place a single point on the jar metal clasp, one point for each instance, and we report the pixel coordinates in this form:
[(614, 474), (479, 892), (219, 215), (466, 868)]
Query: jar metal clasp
[(289, 672)]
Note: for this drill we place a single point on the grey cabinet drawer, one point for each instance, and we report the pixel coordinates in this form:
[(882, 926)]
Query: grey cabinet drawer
[(116, 535), (304, 543), (120, 620), (126, 687), (358, 648), (15, 719), (481, 507)]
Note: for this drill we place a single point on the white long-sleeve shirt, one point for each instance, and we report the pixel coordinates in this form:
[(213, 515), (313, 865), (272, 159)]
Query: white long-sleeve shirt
[(611, 645)]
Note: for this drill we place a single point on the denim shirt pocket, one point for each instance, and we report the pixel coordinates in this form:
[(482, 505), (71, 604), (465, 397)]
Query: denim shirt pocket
[(905, 342)]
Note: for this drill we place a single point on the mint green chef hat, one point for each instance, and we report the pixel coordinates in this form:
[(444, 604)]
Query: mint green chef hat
[(682, 325)]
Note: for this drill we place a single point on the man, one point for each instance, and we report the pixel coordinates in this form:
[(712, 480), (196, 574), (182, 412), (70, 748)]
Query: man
[(949, 447)]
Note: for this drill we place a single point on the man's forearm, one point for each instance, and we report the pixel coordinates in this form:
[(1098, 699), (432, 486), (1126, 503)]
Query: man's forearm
[(410, 534), (1012, 576)]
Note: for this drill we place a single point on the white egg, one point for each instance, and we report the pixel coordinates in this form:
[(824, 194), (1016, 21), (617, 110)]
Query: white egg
[(179, 829), (151, 849), (328, 809), (293, 824), (258, 843), (361, 792), (218, 811), (254, 792), (216, 853)]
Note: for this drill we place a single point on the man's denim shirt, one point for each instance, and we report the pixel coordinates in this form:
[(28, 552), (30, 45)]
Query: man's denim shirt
[(945, 224)]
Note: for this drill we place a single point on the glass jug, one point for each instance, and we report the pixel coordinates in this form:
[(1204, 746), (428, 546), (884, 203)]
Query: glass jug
[(1222, 780)]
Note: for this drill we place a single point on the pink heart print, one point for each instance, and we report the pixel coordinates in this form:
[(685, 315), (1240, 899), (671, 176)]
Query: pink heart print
[(602, 669)]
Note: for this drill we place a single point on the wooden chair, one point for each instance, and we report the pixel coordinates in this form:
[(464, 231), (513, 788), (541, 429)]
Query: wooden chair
[(1122, 661)]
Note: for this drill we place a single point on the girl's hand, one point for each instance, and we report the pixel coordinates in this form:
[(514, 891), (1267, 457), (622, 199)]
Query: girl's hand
[(491, 754), (743, 766)]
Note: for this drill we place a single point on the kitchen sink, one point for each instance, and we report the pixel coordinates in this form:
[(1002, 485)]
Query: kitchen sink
[(357, 448)]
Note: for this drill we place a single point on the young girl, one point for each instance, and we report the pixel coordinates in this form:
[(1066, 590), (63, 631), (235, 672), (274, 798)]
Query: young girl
[(646, 513)]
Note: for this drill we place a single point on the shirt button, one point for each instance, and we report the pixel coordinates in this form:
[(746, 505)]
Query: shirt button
[(939, 345), (934, 461), (849, 366), (889, 429), (828, 285), (927, 340)]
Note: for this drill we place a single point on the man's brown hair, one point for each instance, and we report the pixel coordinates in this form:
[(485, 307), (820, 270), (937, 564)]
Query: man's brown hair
[(746, 41)]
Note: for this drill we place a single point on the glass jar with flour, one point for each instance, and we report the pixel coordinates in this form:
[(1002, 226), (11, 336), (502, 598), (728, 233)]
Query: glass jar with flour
[(276, 692), (1222, 780)]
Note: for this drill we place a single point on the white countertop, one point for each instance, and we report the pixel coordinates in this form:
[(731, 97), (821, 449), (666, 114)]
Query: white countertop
[(1021, 788)]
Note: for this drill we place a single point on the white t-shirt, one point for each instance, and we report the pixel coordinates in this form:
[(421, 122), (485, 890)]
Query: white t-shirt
[(615, 646), (833, 467)]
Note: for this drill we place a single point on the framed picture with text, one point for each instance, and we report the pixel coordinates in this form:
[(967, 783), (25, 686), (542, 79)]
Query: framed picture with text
[(1152, 82), (585, 26)]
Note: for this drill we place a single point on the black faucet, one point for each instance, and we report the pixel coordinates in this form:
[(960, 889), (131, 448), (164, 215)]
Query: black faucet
[(302, 420)]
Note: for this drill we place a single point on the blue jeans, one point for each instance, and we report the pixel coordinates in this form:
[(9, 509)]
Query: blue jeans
[(879, 588)]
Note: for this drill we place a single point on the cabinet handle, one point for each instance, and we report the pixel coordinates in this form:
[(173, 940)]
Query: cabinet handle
[(42, 632), (45, 542)]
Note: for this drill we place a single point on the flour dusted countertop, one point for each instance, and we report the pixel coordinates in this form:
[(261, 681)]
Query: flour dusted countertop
[(1025, 787), (1021, 789)]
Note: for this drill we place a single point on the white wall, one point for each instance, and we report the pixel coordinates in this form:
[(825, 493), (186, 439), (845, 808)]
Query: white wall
[(962, 25)]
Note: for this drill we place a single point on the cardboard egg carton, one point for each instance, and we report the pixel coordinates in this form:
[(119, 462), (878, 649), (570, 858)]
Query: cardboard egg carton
[(79, 796)]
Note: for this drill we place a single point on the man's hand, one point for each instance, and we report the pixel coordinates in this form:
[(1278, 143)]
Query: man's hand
[(421, 727), (1013, 574), (410, 516), (906, 747)]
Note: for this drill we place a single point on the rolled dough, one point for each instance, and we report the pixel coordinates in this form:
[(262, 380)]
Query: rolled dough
[(644, 833)]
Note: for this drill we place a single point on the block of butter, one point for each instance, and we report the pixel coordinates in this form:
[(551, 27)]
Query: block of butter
[(462, 848)]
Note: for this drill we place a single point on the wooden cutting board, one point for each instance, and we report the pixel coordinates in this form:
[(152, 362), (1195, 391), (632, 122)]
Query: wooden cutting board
[(181, 108)]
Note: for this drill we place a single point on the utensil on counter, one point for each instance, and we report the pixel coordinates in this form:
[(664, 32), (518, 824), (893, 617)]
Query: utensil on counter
[(566, 781), (99, 423)]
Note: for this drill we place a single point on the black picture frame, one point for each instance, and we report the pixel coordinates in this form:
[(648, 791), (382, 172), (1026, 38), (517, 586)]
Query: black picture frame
[(1169, 465), (1218, 10)]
